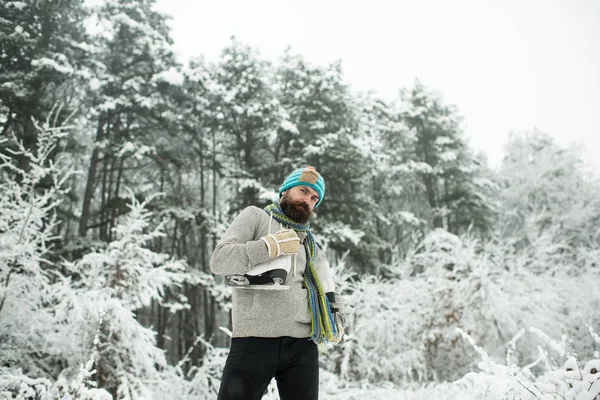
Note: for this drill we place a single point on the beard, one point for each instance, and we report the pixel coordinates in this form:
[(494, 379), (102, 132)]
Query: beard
[(297, 211)]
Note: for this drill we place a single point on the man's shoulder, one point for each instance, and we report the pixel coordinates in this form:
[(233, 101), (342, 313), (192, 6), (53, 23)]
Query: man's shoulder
[(251, 218), (252, 212)]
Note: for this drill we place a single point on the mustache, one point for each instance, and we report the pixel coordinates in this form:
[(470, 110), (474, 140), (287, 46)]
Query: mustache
[(301, 205)]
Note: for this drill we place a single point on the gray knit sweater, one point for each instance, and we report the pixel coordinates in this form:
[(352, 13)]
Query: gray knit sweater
[(262, 313)]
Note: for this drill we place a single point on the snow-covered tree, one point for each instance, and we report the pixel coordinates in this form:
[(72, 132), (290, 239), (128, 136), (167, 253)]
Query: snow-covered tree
[(132, 110), (321, 129), (44, 57), (548, 198), (31, 329), (403, 328), (244, 118), (116, 282), (454, 184), (390, 223)]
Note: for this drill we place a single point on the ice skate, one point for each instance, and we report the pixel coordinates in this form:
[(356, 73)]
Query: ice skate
[(266, 276)]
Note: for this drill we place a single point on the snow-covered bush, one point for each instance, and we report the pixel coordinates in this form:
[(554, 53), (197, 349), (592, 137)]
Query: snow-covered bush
[(403, 329), (33, 335), (69, 331), (116, 281), (15, 385), (81, 387), (562, 378), (200, 383), (566, 381)]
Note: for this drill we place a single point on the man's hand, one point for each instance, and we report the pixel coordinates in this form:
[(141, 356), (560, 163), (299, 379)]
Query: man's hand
[(285, 241), (339, 318)]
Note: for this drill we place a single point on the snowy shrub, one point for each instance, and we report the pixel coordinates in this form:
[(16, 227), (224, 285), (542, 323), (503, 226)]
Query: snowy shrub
[(117, 281), (33, 334), (15, 385), (82, 387), (200, 383), (493, 380), (565, 381), (48, 321), (403, 329)]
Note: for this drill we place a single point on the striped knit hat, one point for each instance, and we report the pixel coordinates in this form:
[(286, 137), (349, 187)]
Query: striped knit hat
[(305, 177)]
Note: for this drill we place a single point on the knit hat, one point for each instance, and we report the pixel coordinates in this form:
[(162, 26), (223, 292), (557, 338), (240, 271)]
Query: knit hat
[(305, 177)]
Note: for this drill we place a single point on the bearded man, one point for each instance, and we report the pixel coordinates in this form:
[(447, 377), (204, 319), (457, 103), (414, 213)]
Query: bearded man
[(284, 303)]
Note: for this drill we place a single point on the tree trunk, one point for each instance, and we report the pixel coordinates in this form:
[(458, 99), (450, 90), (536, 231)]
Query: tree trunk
[(431, 198), (429, 178), (91, 181), (110, 208), (105, 197)]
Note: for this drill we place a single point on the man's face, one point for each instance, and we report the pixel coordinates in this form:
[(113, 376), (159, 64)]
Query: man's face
[(298, 203)]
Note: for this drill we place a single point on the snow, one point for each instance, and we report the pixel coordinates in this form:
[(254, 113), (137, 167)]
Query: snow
[(45, 62), (454, 319), (448, 316), (448, 156), (412, 166), (108, 104), (340, 233), (95, 84), (84, 46), (126, 20), (594, 335), (9, 85), (443, 141), (137, 150), (19, 5), (408, 217), (171, 76), (289, 127)]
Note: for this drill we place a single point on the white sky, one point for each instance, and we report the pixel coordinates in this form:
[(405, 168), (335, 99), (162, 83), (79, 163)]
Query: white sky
[(508, 65)]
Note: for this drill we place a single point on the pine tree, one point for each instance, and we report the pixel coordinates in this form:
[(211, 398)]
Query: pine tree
[(545, 190), (115, 283), (385, 142), (453, 181), (244, 121), (44, 57), (33, 332), (321, 129), (132, 110)]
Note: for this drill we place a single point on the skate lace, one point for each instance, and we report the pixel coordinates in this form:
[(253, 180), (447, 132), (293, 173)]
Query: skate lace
[(295, 256)]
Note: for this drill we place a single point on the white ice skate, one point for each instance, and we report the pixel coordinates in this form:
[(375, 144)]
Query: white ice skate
[(270, 275)]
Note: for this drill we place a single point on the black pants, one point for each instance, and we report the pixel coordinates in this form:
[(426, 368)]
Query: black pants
[(253, 362)]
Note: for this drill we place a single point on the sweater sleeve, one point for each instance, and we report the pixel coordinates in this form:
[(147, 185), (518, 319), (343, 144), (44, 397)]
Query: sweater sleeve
[(239, 249), (339, 300)]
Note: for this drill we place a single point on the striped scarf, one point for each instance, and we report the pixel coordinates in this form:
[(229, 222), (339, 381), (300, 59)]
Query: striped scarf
[(323, 329)]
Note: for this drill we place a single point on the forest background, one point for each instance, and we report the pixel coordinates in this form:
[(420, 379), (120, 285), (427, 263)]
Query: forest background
[(121, 168)]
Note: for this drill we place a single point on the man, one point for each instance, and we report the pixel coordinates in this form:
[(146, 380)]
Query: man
[(272, 329)]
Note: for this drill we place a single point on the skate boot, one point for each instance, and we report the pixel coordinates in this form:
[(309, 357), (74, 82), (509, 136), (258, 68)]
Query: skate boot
[(266, 276)]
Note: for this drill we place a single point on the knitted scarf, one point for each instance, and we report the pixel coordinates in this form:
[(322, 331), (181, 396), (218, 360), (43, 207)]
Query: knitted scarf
[(323, 325)]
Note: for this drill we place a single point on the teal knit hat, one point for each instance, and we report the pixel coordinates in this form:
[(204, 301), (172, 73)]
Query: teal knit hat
[(305, 177)]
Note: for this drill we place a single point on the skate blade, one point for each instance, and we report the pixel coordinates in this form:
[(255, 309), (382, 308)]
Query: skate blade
[(264, 287)]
